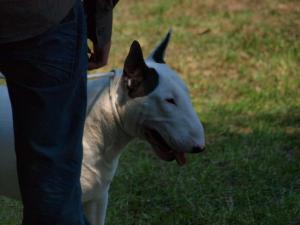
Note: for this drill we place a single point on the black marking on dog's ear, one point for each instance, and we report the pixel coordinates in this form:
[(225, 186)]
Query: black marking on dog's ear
[(158, 53), (134, 59), (138, 78)]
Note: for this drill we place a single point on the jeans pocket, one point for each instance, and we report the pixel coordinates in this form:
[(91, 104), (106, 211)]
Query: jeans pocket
[(56, 50), (60, 42), (53, 58), (48, 59)]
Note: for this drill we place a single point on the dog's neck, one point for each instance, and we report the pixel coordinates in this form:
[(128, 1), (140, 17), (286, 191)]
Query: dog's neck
[(104, 138)]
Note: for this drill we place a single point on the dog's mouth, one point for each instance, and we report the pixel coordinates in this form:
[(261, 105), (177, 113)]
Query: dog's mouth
[(162, 149)]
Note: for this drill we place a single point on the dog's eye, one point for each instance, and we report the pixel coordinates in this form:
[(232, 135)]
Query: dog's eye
[(171, 101)]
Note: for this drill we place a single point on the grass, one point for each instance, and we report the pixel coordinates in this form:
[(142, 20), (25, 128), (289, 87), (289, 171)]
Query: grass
[(244, 81)]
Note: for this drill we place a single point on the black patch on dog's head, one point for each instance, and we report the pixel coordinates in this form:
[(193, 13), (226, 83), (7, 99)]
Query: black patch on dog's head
[(140, 80)]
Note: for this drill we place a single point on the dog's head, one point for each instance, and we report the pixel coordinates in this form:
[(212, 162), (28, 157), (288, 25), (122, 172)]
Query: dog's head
[(156, 105)]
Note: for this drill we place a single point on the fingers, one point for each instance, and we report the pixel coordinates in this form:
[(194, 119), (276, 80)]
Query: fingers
[(99, 57), (89, 51), (95, 65), (96, 62)]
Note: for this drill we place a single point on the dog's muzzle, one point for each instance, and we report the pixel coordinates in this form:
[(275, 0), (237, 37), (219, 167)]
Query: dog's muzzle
[(165, 151)]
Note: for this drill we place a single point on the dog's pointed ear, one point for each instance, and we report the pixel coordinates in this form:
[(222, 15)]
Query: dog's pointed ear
[(158, 54), (134, 63), (139, 79)]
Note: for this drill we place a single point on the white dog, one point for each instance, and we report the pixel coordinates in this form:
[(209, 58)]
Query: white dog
[(146, 99)]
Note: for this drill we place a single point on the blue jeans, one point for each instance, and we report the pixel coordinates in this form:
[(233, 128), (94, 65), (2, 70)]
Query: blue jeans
[(46, 79)]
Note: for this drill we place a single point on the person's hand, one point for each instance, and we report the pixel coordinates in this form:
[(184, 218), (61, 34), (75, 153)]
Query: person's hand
[(99, 57)]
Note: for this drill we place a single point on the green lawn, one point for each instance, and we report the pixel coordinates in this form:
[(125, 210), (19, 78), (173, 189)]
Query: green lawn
[(244, 79)]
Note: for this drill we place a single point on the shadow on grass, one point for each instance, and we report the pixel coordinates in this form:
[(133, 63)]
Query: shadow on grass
[(254, 159)]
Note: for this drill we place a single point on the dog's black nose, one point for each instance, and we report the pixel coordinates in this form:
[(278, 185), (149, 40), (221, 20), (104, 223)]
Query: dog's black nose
[(197, 149)]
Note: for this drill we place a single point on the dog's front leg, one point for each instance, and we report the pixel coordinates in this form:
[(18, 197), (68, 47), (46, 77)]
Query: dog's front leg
[(95, 210)]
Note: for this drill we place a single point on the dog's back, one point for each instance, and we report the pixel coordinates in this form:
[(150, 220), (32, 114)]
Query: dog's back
[(8, 178)]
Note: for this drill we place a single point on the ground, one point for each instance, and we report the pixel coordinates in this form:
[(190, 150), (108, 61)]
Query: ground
[(241, 62)]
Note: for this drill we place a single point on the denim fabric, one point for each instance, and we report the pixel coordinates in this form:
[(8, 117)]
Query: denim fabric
[(46, 79)]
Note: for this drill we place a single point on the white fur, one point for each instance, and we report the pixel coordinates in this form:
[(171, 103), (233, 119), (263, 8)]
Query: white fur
[(113, 120)]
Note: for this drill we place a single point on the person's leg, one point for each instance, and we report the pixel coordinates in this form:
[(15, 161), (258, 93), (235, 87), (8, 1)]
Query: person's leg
[(46, 79)]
